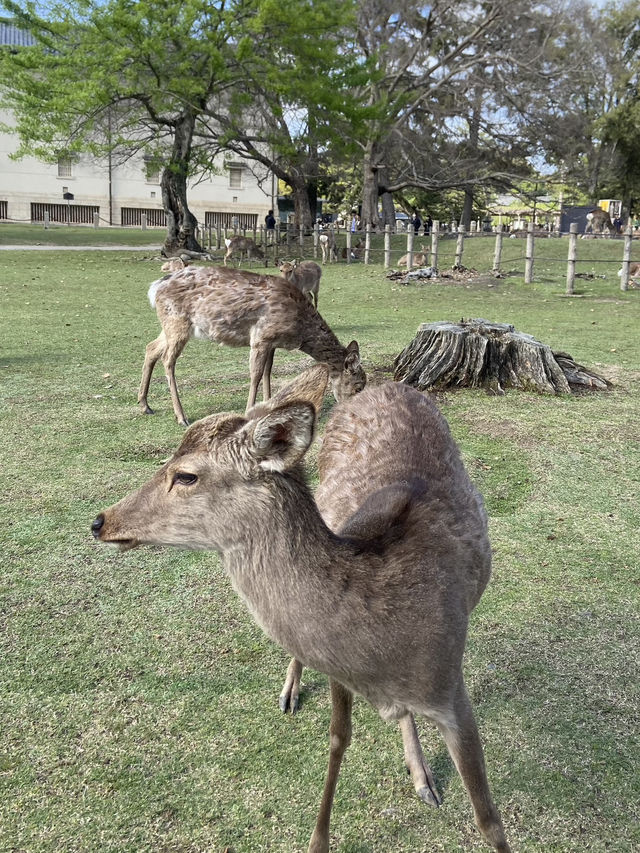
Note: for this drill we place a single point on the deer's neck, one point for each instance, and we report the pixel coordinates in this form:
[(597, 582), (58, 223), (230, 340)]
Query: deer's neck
[(321, 344), (289, 568)]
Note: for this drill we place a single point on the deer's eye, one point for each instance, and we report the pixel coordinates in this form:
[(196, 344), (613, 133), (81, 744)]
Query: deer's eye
[(183, 478)]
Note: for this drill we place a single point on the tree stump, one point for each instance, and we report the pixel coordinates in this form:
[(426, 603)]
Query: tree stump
[(494, 356)]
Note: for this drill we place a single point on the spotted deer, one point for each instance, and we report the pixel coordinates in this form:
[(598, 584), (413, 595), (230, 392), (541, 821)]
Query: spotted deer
[(381, 607), (241, 308), (240, 245)]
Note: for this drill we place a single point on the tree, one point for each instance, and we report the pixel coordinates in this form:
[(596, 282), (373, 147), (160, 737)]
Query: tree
[(438, 90), (296, 98), (153, 70)]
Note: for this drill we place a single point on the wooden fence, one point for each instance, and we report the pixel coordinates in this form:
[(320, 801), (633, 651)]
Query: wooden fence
[(376, 247)]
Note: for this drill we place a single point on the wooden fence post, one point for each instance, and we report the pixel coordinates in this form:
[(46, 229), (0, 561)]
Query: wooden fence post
[(459, 247), (316, 239), (571, 259), (409, 248), (301, 239), (528, 264), (367, 242), (348, 245), (435, 230), (497, 255), (387, 246), (626, 257)]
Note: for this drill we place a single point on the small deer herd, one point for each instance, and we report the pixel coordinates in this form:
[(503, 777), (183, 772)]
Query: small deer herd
[(371, 581)]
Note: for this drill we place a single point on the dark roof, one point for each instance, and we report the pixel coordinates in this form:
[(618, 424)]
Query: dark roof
[(13, 36)]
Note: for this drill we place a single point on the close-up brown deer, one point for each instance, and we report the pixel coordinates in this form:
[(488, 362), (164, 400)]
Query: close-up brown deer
[(381, 607), (241, 308)]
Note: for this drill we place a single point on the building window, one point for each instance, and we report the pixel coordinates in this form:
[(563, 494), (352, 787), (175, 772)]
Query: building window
[(64, 167), (151, 172), (235, 177)]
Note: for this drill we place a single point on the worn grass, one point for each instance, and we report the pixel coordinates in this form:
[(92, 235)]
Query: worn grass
[(138, 700)]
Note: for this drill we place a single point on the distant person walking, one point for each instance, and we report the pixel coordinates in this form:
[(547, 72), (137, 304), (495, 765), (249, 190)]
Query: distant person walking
[(416, 222)]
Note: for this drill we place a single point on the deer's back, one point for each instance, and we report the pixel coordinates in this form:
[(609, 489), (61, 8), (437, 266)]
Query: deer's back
[(389, 465), (231, 306)]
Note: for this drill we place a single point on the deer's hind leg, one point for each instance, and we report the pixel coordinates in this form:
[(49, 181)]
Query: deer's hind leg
[(176, 339), (289, 699), (463, 742), (416, 763), (260, 364), (153, 352)]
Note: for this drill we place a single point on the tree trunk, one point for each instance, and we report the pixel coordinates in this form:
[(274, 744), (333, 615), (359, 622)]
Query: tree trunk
[(386, 200), (301, 203), (369, 215), (467, 210), (480, 354), (181, 223)]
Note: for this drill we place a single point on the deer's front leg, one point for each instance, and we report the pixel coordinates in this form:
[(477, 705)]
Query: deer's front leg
[(340, 738)]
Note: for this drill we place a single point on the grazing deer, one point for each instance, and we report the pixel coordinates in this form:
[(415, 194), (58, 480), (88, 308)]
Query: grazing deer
[(382, 610), (599, 222), (357, 251), (239, 245), (634, 273), (241, 308), (305, 275), (328, 246), (174, 265), (419, 259)]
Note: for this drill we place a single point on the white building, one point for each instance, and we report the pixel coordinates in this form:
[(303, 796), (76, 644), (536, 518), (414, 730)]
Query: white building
[(240, 195)]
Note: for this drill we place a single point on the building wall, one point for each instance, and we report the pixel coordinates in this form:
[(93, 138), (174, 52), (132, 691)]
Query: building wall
[(30, 181)]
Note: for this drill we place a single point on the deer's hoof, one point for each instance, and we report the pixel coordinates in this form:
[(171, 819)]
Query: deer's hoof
[(288, 702), (147, 411), (429, 796)]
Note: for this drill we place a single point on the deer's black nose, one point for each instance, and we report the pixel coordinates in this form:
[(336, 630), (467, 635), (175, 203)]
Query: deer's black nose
[(96, 527)]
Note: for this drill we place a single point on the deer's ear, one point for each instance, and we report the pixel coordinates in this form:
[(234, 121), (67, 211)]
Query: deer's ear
[(352, 358), (309, 386), (280, 438)]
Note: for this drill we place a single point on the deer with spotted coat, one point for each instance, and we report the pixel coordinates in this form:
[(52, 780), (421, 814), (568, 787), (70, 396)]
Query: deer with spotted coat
[(382, 606), (241, 308)]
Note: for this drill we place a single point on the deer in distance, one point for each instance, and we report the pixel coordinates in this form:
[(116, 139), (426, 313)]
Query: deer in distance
[(239, 245), (599, 222), (419, 258), (305, 275), (382, 606), (328, 246), (241, 308)]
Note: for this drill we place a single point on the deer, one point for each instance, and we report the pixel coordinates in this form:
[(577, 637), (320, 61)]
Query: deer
[(599, 221), (634, 273), (328, 246), (174, 264), (237, 245), (382, 606), (241, 308), (305, 275), (419, 259), (357, 251)]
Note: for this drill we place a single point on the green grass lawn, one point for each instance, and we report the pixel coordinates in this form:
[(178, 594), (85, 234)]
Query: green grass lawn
[(138, 701)]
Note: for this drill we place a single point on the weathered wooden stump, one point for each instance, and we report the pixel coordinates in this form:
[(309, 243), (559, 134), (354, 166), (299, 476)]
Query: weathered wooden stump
[(480, 354)]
